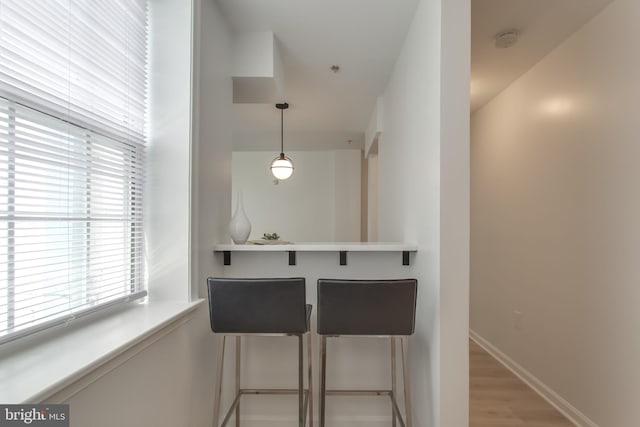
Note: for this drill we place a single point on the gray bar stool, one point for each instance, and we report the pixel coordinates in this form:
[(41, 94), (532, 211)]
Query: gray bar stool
[(266, 307), (376, 308)]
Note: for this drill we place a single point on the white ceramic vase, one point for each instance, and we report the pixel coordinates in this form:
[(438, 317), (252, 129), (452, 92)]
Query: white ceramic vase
[(239, 227)]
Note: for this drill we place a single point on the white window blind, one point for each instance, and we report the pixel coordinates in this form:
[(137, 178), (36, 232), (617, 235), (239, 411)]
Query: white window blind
[(73, 79)]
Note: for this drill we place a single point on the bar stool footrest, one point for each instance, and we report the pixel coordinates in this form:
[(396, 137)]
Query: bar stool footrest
[(358, 392), (388, 393), (266, 391)]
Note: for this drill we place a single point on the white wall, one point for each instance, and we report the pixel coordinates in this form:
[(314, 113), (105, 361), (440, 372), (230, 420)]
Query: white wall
[(423, 198), (319, 203), (556, 220), (211, 161), (211, 189), (372, 197), (167, 200), (454, 211), (150, 384), (347, 195), (167, 380)]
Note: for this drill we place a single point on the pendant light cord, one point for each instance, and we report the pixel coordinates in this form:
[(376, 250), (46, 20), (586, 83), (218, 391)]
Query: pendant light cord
[(282, 107)]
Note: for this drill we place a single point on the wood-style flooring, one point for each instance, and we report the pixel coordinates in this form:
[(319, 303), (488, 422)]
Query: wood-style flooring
[(497, 398)]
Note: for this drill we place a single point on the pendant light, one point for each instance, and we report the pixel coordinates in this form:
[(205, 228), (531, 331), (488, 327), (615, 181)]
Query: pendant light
[(282, 166)]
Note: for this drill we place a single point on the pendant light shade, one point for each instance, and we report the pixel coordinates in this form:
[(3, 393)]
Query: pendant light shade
[(282, 166)]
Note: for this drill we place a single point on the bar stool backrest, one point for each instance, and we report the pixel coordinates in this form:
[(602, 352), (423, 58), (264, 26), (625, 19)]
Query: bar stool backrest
[(258, 306), (366, 307)]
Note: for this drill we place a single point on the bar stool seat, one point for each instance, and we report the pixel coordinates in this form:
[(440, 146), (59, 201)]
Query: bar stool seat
[(373, 308), (262, 307)]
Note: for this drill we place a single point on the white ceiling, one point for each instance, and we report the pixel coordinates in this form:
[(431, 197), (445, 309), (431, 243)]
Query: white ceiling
[(542, 24), (364, 38)]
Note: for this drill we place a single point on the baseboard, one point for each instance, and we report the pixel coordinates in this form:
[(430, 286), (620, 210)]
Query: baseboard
[(344, 421), (554, 399)]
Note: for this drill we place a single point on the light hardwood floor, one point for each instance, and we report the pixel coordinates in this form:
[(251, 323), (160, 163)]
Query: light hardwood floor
[(497, 398)]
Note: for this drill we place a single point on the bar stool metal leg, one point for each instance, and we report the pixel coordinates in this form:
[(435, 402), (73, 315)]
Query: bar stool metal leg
[(218, 390), (310, 380), (300, 382), (323, 377), (238, 359), (393, 380), (405, 371)]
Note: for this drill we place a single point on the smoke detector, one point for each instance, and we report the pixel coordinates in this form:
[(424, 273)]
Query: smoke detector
[(506, 39)]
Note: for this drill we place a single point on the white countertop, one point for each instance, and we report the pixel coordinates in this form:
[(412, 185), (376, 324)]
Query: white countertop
[(320, 247)]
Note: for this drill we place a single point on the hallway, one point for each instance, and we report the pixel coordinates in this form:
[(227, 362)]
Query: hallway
[(497, 398)]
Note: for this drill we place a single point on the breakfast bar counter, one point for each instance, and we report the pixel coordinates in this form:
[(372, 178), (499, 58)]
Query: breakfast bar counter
[(357, 362), (341, 248)]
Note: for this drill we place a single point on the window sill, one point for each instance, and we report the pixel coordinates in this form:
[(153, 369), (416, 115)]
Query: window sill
[(33, 370)]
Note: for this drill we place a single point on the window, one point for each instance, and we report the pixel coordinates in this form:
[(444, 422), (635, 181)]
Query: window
[(73, 78)]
